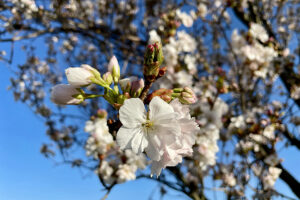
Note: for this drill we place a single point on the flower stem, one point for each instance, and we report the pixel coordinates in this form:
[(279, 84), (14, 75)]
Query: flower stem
[(146, 89)]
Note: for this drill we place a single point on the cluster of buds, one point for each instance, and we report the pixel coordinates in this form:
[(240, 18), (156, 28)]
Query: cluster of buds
[(170, 25), (132, 86), (185, 95), (152, 61), (83, 76), (78, 77)]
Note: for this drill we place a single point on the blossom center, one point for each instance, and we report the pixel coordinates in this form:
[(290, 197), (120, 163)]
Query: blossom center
[(148, 126)]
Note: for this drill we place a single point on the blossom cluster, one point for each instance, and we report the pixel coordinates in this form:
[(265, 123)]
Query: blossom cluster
[(166, 132), (210, 121), (257, 57)]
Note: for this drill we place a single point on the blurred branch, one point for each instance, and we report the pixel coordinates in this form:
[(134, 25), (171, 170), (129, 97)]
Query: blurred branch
[(291, 138), (289, 180)]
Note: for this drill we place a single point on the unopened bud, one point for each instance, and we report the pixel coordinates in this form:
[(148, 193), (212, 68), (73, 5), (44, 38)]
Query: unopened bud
[(132, 86), (137, 87), (107, 77), (125, 83), (153, 59), (81, 76), (63, 94), (185, 95), (114, 68), (101, 113)]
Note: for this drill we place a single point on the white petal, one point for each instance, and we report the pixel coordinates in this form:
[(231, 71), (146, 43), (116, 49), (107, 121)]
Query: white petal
[(125, 135), (132, 113), (168, 133), (156, 168), (158, 107), (152, 149), (89, 126), (165, 118), (136, 143), (144, 144)]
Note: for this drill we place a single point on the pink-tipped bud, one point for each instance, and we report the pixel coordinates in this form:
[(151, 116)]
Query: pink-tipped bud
[(152, 60), (187, 96), (137, 87), (114, 68), (101, 113), (125, 83), (132, 85), (81, 76), (63, 94)]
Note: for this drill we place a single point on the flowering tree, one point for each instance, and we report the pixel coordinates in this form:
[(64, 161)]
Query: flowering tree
[(205, 88)]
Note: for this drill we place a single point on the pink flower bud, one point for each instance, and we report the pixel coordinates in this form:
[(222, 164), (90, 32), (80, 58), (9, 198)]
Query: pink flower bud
[(132, 85), (101, 113), (81, 76), (187, 96), (125, 83), (137, 86), (114, 68), (63, 94)]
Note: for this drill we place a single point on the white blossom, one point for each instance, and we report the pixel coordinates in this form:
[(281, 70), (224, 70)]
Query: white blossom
[(258, 31), (106, 171), (183, 78), (236, 124), (229, 179), (202, 8), (153, 37), (185, 18), (125, 173), (113, 67), (161, 131), (270, 177), (186, 43), (100, 140), (139, 161), (210, 123), (150, 131), (189, 128)]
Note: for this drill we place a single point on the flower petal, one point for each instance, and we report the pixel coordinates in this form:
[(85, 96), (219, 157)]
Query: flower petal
[(125, 135), (153, 147), (132, 113), (159, 107), (139, 142)]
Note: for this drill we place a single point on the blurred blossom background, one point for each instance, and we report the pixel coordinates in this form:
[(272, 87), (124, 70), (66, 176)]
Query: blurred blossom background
[(234, 64)]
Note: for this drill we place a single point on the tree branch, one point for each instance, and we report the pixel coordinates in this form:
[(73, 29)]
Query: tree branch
[(290, 180), (291, 138)]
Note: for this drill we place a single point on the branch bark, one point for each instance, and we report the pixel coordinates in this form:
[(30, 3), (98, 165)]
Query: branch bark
[(290, 180)]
